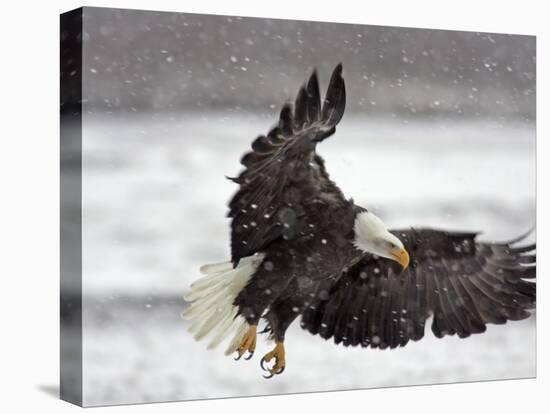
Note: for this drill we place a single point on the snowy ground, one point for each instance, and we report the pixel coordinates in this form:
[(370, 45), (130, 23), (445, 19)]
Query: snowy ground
[(154, 201)]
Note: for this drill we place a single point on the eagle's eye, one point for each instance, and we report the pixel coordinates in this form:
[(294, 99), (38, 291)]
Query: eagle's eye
[(385, 244)]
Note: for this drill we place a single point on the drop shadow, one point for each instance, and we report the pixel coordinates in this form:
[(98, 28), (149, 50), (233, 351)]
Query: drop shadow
[(50, 389)]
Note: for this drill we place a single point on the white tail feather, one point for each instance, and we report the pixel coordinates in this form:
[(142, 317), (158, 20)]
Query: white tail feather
[(215, 268), (206, 283), (212, 310), (241, 330), (223, 330)]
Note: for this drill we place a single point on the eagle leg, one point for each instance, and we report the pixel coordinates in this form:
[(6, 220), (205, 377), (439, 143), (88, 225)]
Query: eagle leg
[(279, 354), (248, 343)]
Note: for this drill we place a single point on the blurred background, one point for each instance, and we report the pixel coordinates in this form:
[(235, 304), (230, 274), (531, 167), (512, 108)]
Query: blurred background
[(439, 131)]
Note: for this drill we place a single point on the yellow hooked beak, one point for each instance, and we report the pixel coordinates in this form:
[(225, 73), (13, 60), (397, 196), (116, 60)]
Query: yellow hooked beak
[(401, 256)]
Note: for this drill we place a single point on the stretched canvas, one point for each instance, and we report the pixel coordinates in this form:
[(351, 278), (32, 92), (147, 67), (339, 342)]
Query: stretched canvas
[(253, 206)]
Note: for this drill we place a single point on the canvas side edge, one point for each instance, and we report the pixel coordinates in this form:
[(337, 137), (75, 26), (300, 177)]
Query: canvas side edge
[(71, 384)]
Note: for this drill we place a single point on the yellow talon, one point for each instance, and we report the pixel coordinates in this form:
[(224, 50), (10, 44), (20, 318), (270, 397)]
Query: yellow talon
[(279, 354), (248, 343)]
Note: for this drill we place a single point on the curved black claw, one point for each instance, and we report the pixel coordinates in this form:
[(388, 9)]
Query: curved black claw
[(271, 374), (238, 357), (250, 354)]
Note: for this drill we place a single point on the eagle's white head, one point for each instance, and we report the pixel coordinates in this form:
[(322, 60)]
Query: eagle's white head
[(372, 236)]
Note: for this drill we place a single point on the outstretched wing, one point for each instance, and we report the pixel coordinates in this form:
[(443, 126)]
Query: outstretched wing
[(463, 283), (284, 178)]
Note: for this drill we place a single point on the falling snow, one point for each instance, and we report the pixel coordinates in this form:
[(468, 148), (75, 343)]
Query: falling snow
[(169, 117)]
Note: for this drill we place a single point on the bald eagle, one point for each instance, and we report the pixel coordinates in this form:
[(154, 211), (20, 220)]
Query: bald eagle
[(299, 248)]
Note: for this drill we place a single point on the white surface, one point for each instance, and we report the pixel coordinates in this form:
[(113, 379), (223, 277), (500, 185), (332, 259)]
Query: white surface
[(30, 225)]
